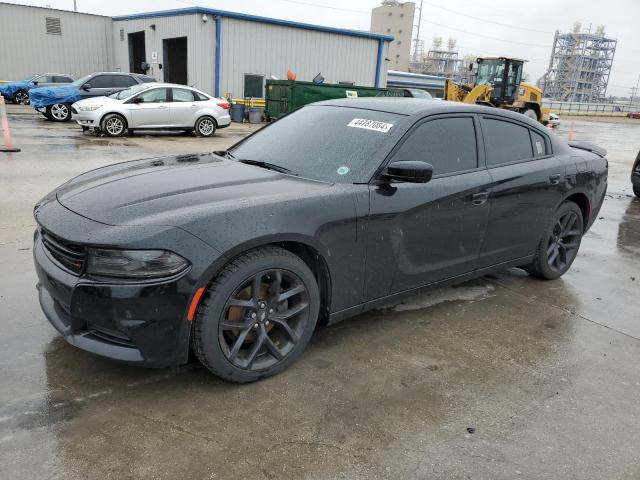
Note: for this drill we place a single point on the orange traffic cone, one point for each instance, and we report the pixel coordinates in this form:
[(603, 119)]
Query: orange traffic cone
[(8, 146), (570, 136)]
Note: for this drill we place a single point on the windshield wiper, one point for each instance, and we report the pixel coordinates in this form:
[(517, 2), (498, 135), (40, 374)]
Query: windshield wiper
[(267, 165)]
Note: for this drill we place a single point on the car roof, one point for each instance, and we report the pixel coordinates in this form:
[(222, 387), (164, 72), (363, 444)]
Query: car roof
[(421, 107), (119, 73)]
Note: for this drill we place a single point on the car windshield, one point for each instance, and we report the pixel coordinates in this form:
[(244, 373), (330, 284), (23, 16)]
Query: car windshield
[(81, 80), (28, 79), (327, 143), (127, 92), (420, 93)]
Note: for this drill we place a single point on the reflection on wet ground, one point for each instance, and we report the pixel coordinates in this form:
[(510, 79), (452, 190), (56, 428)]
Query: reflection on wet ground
[(545, 374)]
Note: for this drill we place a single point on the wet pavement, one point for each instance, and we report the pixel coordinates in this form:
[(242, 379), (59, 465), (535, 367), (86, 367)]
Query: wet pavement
[(502, 377)]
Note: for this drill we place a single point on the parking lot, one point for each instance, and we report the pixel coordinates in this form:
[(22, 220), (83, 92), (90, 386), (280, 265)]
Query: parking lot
[(502, 377)]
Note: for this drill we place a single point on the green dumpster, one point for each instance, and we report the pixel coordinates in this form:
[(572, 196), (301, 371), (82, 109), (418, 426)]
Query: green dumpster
[(284, 96)]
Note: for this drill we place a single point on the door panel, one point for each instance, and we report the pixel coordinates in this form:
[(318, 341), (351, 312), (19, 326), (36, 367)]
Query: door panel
[(183, 108), (422, 233), (523, 195), (152, 111)]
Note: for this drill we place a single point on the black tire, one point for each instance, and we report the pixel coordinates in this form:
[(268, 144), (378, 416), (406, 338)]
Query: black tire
[(113, 125), (636, 190), (21, 97), (531, 113), (47, 116), (205, 126), (559, 245), (284, 321), (59, 112)]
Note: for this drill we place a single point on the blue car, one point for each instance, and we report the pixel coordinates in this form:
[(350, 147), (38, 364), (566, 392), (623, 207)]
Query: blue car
[(55, 102), (18, 91)]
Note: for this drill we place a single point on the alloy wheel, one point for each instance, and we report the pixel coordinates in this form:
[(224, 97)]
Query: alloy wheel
[(264, 319), (22, 98), (114, 126), (563, 242), (59, 111), (206, 127)]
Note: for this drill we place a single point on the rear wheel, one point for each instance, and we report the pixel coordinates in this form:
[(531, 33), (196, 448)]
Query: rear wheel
[(636, 190), (257, 316), (22, 97), (559, 245), (531, 113), (205, 127), (113, 125), (59, 112)]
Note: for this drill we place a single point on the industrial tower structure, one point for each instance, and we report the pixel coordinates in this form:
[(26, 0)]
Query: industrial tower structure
[(439, 60), (580, 65)]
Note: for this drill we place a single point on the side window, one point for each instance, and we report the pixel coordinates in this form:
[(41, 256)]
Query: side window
[(448, 144), (61, 79), (157, 95), (505, 142), (39, 79), (200, 97), (123, 81), (539, 145), (101, 81), (182, 95), (50, 79)]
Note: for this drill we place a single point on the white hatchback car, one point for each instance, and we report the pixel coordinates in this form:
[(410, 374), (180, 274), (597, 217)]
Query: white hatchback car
[(146, 106)]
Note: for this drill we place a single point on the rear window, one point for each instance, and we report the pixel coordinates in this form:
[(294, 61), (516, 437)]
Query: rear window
[(333, 144), (123, 81), (505, 142), (539, 145)]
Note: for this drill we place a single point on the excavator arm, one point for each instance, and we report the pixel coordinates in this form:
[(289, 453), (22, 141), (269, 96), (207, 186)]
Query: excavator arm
[(466, 93)]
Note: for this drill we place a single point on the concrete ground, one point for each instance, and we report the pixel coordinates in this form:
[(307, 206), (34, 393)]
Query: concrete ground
[(501, 378)]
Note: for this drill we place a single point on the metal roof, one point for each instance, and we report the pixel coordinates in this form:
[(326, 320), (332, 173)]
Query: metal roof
[(253, 18)]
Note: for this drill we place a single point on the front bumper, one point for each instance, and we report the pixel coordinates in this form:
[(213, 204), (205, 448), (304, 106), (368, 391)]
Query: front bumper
[(139, 322), (85, 119), (635, 172)]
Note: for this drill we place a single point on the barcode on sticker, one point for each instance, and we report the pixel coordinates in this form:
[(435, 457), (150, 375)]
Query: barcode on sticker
[(370, 125)]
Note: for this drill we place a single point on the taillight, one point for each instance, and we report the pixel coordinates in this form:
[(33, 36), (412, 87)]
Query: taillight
[(224, 105)]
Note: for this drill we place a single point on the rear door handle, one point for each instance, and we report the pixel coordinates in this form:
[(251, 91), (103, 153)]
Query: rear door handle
[(480, 198), (555, 179)]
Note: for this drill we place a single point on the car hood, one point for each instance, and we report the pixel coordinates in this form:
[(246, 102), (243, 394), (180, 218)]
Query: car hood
[(96, 101), (45, 96), (174, 190)]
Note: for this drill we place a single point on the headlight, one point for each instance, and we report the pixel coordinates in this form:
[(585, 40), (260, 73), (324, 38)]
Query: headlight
[(89, 108), (134, 263)]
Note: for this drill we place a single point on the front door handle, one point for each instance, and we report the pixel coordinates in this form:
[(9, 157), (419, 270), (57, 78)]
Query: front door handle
[(555, 179), (480, 198)]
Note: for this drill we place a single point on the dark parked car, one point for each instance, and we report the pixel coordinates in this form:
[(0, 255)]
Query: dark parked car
[(635, 176), (55, 102), (18, 91), (337, 208)]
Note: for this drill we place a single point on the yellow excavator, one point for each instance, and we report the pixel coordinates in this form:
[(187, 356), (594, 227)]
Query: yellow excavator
[(498, 84)]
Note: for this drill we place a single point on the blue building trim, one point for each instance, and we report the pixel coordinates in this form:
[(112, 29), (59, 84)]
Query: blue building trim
[(218, 55), (254, 18), (376, 82)]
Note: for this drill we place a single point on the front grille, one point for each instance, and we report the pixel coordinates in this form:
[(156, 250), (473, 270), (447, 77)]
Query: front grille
[(109, 336), (69, 255)]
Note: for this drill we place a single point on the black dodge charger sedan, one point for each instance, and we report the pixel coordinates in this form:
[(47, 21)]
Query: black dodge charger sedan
[(337, 208)]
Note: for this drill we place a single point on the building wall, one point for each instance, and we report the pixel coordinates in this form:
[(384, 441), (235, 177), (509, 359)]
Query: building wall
[(250, 47), (395, 19), (200, 45), (84, 45)]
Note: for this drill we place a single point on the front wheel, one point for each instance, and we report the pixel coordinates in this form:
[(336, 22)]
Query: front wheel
[(113, 125), (22, 97), (258, 315), (59, 112), (636, 190), (559, 245), (531, 113), (205, 127)]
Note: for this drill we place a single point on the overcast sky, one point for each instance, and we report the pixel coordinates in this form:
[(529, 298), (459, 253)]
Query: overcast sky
[(481, 27)]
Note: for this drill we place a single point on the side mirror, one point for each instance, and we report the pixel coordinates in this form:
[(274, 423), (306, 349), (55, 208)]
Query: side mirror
[(86, 86), (409, 171), (35, 82), (136, 100)]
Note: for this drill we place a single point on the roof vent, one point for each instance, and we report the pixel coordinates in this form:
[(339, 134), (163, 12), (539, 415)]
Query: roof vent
[(53, 26)]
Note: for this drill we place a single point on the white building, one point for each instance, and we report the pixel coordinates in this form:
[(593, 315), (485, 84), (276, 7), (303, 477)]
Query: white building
[(217, 51), (396, 19)]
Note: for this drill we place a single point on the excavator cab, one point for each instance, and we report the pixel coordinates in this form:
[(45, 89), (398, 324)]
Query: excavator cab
[(503, 75)]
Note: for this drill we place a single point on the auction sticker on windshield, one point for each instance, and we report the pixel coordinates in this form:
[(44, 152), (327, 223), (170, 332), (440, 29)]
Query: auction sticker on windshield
[(370, 125)]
